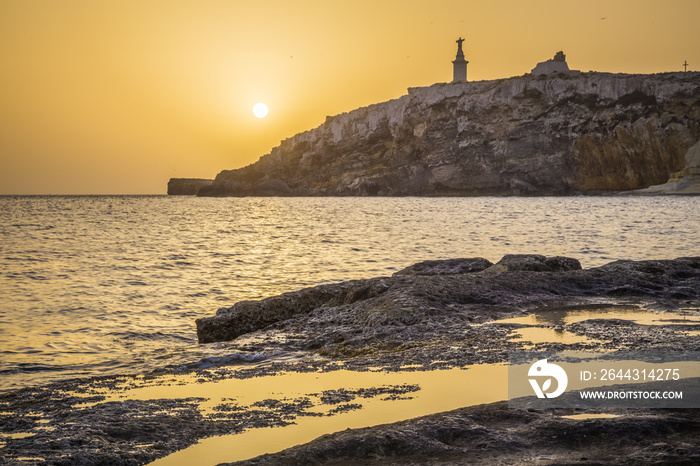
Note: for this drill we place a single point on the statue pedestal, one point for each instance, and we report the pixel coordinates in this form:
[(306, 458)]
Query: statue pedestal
[(459, 70)]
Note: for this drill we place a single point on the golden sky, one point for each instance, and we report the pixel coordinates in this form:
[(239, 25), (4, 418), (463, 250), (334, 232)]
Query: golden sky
[(117, 96)]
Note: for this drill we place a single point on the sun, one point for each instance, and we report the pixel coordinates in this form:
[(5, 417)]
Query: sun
[(260, 110)]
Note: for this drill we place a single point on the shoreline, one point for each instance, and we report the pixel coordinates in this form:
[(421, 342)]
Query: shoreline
[(419, 321)]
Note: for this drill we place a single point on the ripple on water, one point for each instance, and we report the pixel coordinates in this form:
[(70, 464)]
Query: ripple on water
[(86, 266)]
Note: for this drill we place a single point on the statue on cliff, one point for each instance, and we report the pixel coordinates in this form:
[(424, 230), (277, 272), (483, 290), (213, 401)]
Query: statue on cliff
[(459, 46), (459, 70)]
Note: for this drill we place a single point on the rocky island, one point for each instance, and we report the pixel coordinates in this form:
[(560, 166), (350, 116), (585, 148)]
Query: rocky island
[(545, 133), (186, 186)]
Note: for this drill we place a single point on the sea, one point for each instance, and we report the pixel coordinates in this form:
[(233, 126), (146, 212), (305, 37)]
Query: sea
[(107, 285)]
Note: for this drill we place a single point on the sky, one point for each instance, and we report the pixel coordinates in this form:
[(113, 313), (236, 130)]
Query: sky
[(117, 97)]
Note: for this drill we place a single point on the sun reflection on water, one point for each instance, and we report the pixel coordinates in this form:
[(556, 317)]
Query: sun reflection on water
[(94, 285)]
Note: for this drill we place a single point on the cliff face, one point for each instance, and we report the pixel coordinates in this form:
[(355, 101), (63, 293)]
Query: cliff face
[(684, 182), (585, 133)]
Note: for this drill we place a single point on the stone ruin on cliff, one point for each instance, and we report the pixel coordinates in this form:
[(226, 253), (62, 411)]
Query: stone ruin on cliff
[(555, 65)]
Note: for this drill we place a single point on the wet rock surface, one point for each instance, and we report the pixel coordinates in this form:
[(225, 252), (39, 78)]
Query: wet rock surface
[(61, 431), (422, 313), (432, 315), (495, 434), (446, 267), (64, 424)]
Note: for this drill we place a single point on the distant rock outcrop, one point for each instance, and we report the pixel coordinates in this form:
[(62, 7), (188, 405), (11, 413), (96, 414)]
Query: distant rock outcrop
[(187, 186), (555, 134)]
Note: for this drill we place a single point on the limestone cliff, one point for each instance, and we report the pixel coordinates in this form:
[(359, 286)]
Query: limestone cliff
[(684, 182), (529, 135)]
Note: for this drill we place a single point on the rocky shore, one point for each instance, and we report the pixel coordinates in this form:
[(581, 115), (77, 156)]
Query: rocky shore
[(414, 315), (431, 315)]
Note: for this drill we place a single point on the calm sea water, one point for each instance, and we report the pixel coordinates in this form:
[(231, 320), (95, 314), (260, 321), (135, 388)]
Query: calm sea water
[(94, 285)]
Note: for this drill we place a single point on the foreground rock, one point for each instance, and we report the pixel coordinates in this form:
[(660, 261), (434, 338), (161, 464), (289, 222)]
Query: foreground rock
[(494, 434), (345, 316), (431, 315), (530, 135)]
